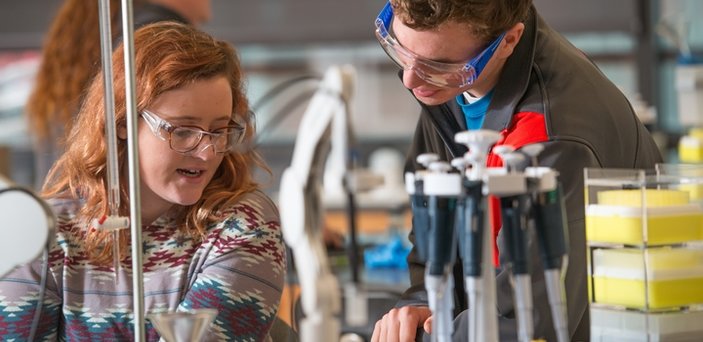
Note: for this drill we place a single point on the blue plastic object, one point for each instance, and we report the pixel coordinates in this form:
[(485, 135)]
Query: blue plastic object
[(389, 255), (689, 60)]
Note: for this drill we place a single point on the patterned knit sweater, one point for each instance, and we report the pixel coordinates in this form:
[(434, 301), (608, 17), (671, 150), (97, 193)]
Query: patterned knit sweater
[(239, 269)]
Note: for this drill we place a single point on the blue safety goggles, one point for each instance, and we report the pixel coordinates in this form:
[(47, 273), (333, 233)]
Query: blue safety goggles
[(449, 75)]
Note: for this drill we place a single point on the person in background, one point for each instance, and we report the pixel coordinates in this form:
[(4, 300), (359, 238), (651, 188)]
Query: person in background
[(211, 237), (497, 65), (70, 58), (194, 12)]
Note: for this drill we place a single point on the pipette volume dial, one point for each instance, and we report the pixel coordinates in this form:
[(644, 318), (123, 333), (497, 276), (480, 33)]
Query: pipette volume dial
[(426, 159), (460, 164), (439, 166), (512, 161), (533, 150), (479, 143)]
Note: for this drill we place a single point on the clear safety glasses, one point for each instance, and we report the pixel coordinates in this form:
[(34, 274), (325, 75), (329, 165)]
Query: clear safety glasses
[(449, 75), (184, 139)]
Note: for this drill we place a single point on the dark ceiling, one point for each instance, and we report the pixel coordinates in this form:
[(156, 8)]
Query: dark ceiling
[(23, 22)]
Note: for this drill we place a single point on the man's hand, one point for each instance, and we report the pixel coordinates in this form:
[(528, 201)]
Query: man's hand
[(400, 324)]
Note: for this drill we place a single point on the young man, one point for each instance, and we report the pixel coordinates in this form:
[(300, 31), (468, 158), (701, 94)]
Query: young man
[(495, 64)]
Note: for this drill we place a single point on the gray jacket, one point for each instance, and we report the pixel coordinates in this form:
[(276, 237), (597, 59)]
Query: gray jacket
[(549, 87)]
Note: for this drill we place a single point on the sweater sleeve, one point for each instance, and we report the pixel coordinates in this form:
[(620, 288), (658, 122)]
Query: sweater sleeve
[(243, 274), (20, 293)]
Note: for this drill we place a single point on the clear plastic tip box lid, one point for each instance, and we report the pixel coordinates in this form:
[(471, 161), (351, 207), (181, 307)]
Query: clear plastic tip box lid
[(635, 207)]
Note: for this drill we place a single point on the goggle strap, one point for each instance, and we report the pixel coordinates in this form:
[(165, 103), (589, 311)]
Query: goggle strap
[(386, 15)]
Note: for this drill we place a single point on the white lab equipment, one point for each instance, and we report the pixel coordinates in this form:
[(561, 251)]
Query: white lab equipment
[(324, 123), (689, 90), (529, 197), (386, 163), (440, 250), (515, 212), (27, 226), (183, 326), (476, 240), (533, 199), (114, 222), (643, 236), (688, 74)]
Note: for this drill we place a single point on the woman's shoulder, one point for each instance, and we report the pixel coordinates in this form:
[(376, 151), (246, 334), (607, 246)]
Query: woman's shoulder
[(253, 212), (251, 221), (65, 209), (253, 205), (63, 205)]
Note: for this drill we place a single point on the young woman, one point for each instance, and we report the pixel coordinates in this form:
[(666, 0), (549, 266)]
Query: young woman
[(211, 238)]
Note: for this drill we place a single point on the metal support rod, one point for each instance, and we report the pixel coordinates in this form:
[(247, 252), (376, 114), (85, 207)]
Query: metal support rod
[(352, 248), (647, 57), (471, 228), (113, 176), (133, 170), (488, 324), (515, 215)]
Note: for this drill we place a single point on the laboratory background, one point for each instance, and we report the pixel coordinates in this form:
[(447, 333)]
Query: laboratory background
[(651, 49)]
